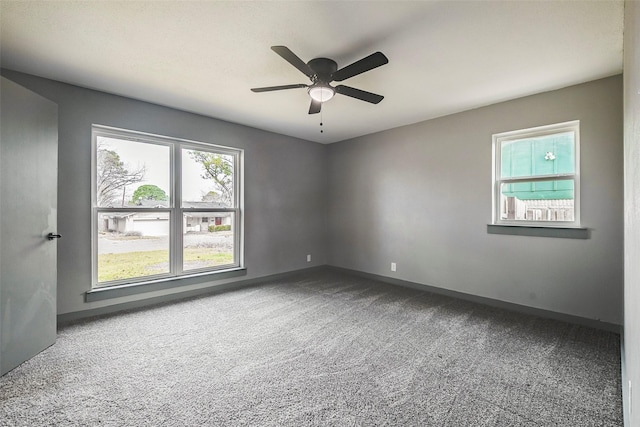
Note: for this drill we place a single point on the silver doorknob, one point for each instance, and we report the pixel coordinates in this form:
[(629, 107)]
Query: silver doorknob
[(52, 236)]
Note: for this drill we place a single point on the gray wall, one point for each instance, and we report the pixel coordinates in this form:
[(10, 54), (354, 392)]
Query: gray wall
[(420, 196), (632, 210), (285, 190)]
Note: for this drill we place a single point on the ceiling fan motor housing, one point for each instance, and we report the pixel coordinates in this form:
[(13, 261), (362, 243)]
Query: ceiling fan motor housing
[(323, 69)]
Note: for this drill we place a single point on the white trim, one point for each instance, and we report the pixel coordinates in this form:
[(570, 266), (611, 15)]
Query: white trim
[(176, 255), (175, 210), (497, 181)]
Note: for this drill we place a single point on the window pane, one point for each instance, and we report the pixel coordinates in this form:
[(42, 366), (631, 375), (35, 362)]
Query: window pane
[(132, 245), (541, 155), (207, 179), (208, 240), (132, 173), (538, 201)]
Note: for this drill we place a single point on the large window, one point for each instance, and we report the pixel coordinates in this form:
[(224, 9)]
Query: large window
[(536, 176), (163, 207)]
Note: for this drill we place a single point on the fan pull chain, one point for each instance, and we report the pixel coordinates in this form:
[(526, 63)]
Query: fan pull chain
[(321, 131)]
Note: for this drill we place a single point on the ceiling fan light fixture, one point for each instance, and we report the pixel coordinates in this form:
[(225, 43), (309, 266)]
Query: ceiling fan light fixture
[(323, 71), (321, 93)]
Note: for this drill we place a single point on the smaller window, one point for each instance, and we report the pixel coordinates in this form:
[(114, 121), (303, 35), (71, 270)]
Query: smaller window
[(536, 176)]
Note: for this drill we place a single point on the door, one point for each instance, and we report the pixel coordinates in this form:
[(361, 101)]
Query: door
[(28, 213)]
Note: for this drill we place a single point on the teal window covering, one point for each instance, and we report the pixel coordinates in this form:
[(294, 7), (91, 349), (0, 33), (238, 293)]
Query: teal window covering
[(536, 157)]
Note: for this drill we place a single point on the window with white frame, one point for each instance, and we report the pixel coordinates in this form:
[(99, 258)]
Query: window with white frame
[(536, 179), (163, 207)]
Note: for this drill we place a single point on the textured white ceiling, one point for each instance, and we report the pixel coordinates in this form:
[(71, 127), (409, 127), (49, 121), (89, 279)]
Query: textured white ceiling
[(203, 57)]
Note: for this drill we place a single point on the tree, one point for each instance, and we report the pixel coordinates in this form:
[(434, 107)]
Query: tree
[(149, 192), (211, 196), (113, 178), (218, 168)]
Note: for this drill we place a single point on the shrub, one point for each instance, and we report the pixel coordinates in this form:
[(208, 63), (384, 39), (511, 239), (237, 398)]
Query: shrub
[(214, 228)]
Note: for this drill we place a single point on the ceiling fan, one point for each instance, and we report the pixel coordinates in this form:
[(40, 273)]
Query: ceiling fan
[(323, 71)]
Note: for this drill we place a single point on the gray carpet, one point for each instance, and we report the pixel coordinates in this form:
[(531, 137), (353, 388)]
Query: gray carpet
[(319, 349)]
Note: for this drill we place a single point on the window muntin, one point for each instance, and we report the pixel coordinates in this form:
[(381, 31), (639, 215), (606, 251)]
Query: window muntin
[(536, 176), (157, 222)]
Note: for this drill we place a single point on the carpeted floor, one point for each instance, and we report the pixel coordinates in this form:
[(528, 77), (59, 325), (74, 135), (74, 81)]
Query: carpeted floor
[(319, 349)]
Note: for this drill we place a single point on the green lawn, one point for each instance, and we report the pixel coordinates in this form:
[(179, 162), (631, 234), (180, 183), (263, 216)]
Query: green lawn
[(139, 264)]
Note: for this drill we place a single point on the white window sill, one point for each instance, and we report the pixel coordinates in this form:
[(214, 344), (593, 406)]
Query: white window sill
[(539, 231)]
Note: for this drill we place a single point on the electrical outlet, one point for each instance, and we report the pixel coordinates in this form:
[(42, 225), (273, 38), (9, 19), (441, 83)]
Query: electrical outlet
[(393, 266), (309, 258)]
